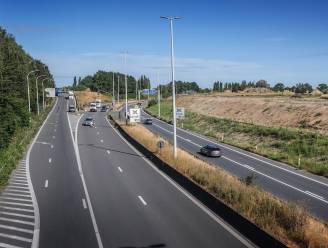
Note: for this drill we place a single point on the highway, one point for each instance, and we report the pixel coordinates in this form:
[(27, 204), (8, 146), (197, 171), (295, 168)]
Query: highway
[(135, 205), (281, 180), (58, 187)]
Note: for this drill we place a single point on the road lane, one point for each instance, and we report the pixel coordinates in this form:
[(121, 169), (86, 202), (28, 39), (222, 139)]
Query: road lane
[(58, 186), (134, 205), (283, 181)]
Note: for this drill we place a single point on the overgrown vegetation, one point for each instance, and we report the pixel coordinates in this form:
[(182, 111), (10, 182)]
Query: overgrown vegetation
[(18, 125), (15, 64), (282, 144), (289, 223)]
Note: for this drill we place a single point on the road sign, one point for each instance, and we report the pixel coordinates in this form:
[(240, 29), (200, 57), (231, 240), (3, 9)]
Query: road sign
[(134, 115), (50, 92), (180, 113)]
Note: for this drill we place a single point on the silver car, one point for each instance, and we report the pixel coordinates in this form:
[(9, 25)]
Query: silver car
[(89, 121), (211, 151)]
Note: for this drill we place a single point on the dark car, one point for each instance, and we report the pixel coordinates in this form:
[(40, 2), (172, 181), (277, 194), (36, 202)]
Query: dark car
[(89, 121), (71, 108), (148, 121), (211, 151), (103, 108)]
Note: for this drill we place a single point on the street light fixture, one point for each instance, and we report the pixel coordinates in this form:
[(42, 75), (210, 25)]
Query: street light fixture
[(37, 92), (171, 19), (126, 88), (28, 90)]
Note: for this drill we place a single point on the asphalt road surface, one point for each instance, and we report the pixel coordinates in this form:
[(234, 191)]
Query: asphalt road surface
[(137, 206), (281, 180)]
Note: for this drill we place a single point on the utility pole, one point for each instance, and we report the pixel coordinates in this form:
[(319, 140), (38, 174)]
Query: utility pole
[(158, 96), (126, 89), (118, 89), (37, 93), (113, 93), (28, 90), (171, 19)]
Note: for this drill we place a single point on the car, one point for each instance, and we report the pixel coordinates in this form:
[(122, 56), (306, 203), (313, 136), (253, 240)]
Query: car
[(211, 151), (93, 107), (89, 121), (148, 121), (71, 108), (103, 108)]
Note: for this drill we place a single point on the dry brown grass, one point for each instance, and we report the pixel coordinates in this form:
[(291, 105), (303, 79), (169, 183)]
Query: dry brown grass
[(84, 98), (288, 222)]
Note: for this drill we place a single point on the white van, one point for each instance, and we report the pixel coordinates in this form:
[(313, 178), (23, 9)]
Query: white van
[(98, 103), (93, 107)]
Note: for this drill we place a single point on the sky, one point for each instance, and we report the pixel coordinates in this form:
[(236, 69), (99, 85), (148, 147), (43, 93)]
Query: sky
[(215, 40)]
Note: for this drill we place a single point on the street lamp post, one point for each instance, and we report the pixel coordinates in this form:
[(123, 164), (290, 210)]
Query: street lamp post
[(37, 93), (126, 89), (28, 90), (171, 19), (118, 89), (158, 96), (43, 92), (113, 93)]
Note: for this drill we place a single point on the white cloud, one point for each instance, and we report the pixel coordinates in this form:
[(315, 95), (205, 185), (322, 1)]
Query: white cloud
[(204, 71)]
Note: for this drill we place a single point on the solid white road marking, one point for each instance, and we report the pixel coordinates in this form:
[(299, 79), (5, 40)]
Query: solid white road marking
[(49, 160), (142, 200), (46, 184), (120, 169), (17, 221), (18, 215), (15, 237), (84, 203), (14, 198), (16, 229), (258, 172), (212, 215), (315, 195), (18, 209), (79, 164), (108, 151), (16, 203), (15, 194)]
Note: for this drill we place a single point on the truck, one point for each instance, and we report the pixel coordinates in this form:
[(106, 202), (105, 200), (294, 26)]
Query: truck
[(93, 107), (98, 103)]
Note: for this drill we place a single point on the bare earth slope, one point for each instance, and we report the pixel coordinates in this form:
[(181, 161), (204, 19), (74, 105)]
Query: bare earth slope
[(267, 111)]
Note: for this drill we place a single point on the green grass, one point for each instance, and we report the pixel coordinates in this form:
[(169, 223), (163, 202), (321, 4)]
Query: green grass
[(10, 155), (281, 144)]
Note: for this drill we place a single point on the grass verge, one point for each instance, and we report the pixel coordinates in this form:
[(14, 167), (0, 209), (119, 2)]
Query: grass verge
[(281, 144), (10, 155), (287, 222)]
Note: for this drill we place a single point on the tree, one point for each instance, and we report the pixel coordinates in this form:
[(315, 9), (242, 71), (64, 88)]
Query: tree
[(74, 82), (323, 88), (279, 87), (262, 84), (303, 88), (79, 81)]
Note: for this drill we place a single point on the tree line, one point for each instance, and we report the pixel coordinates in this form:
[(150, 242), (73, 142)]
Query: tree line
[(278, 87), (102, 81), (15, 64)]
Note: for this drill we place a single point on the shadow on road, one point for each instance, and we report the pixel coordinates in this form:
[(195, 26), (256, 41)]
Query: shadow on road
[(112, 150)]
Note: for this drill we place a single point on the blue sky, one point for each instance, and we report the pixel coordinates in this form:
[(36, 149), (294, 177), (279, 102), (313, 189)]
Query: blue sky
[(227, 40)]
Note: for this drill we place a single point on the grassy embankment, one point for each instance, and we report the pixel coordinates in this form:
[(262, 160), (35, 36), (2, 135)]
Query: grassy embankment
[(10, 155), (287, 222), (281, 144)]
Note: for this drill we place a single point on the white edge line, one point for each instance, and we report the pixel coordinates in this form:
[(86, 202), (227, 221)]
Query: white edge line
[(320, 198), (36, 234), (84, 203), (120, 169), (78, 159), (211, 214), (242, 153)]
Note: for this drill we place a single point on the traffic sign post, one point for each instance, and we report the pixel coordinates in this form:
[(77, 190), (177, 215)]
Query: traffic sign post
[(134, 115), (180, 113)]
